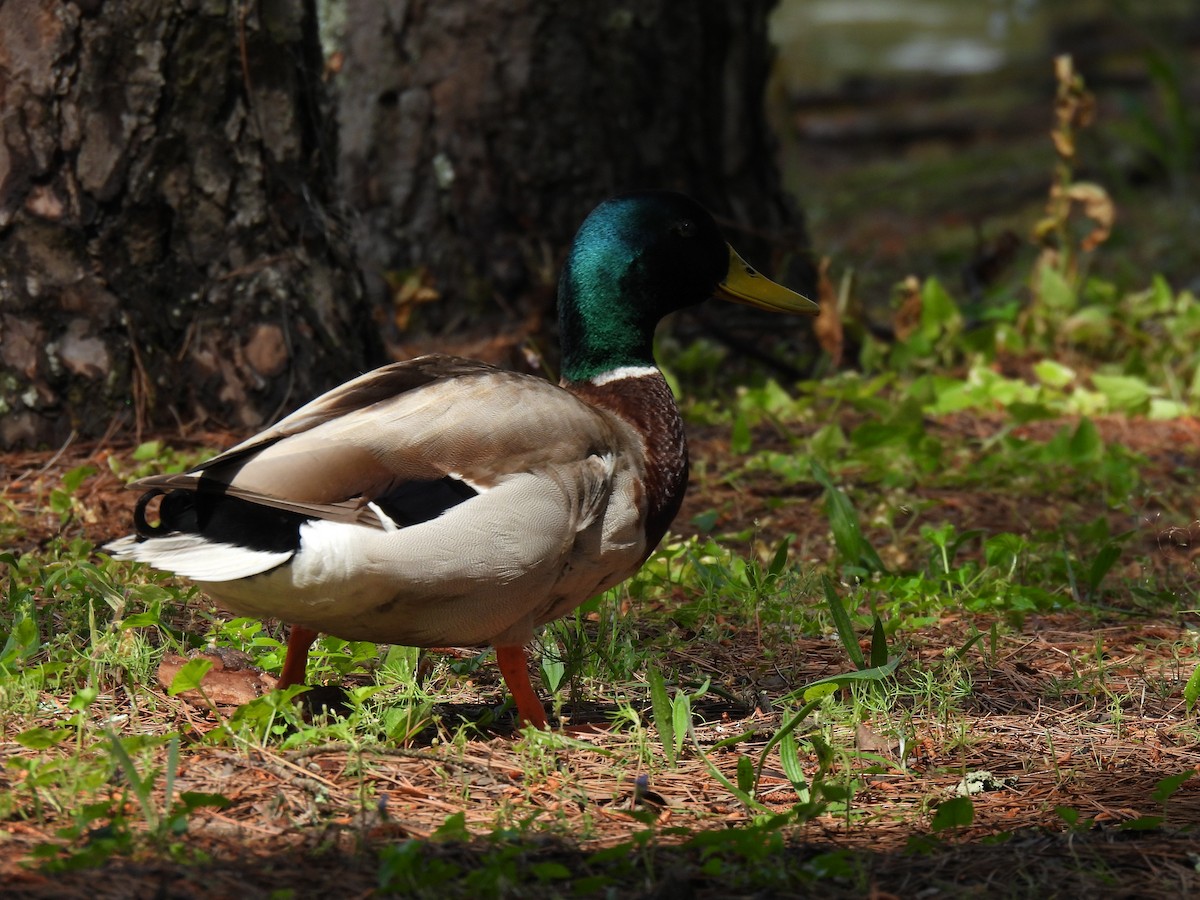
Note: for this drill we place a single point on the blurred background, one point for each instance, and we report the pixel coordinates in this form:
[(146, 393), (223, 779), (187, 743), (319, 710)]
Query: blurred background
[(915, 133)]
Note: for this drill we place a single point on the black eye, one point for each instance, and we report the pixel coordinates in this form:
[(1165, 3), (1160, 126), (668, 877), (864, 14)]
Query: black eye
[(684, 228)]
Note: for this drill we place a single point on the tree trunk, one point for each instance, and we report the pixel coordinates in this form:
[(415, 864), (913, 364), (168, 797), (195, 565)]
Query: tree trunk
[(164, 241), (476, 136)]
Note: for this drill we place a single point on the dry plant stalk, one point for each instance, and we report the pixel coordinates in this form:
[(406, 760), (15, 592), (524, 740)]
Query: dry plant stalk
[(1074, 110)]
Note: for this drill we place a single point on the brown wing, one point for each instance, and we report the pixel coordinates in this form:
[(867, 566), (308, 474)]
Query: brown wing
[(412, 422)]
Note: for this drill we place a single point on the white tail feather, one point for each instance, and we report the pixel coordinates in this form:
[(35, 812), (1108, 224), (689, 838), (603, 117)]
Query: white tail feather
[(192, 556)]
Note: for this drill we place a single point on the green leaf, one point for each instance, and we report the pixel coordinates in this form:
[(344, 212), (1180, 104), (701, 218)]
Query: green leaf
[(739, 436), (189, 677), (1161, 409), (1053, 373), (553, 670), (147, 619), (1086, 445), (192, 800), (1142, 823), (938, 310), (681, 719), (832, 682), (142, 786), (84, 697), (789, 760), (1054, 291), (147, 451), (22, 642), (841, 621), (664, 719), (958, 812), (745, 774), (970, 642), (819, 690), (74, 478), (843, 521), (549, 871), (1191, 690), (1100, 566), (879, 648), (42, 738), (1167, 787), (454, 828), (1126, 393), (1068, 814), (779, 560)]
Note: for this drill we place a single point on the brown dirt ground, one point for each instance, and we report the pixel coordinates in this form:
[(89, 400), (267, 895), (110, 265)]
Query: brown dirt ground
[(1034, 712)]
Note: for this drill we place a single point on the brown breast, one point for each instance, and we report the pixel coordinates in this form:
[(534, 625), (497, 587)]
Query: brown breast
[(646, 403)]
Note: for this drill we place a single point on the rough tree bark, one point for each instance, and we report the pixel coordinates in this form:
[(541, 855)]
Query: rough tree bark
[(164, 245), (476, 136)]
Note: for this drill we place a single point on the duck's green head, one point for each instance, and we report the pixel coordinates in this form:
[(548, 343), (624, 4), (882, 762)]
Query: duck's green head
[(636, 258)]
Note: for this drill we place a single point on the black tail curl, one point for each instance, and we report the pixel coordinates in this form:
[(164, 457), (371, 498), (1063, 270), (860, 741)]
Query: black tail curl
[(144, 528), (176, 512), (210, 512)]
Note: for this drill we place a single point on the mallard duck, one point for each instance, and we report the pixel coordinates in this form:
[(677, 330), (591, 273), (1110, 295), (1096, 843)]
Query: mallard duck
[(441, 501)]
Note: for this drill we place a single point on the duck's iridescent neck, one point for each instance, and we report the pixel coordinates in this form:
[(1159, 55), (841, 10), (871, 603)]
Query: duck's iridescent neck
[(641, 396)]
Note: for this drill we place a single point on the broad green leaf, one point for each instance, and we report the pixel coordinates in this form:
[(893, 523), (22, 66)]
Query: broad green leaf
[(1086, 445), (1068, 814), (74, 478), (192, 800), (549, 871), (745, 775), (841, 621), (147, 451), (1053, 373), (1100, 566), (42, 738), (1090, 324), (879, 648), (663, 715), (827, 442), (681, 719), (1167, 787), (189, 677), (939, 313), (1054, 291), (1191, 690), (453, 828), (957, 812), (1161, 409), (553, 671), (142, 620), (823, 687), (1126, 393), (1142, 823), (23, 642), (789, 760), (84, 697), (843, 521), (779, 560), (739, 436)]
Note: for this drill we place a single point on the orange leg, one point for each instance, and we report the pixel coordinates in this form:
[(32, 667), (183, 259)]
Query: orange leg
[(295, 663), (515, 669)]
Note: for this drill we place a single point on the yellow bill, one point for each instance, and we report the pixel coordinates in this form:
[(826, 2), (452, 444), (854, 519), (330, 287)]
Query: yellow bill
[(742, 284)]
